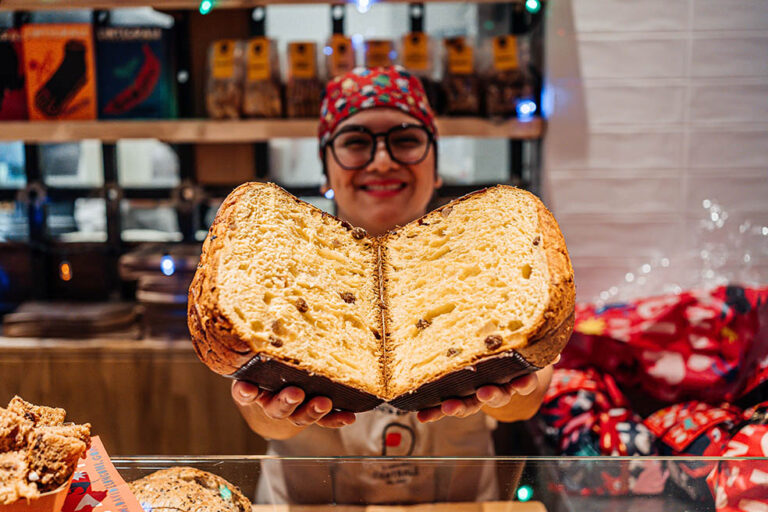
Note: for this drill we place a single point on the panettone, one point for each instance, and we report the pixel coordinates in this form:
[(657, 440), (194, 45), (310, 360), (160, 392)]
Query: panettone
[(38, 451), (188, 489), (478, 291)]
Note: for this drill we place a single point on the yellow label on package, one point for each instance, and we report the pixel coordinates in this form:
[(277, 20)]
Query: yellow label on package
[(258, 60), (223, 59), (505, 53), (378, 53), (302, 61), (460, 56), (342, 55), (416, 51)]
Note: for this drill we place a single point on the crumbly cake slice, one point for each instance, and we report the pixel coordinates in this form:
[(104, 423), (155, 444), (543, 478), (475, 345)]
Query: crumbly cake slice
[(13, 478), (280, 279), (13, 430), (485, 275), (40, 415), (52, 458)]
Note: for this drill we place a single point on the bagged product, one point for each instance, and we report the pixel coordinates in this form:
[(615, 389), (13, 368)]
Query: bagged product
[(506, 82), (224, 96), (303, 90), (461, 84), (13, 99), (379, 53), (416, 57), (340, 55), (135, 74), (262, 92), (59, 68)]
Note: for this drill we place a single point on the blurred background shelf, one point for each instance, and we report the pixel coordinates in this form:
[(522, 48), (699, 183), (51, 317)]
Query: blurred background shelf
[(29, 5), (238, 131)]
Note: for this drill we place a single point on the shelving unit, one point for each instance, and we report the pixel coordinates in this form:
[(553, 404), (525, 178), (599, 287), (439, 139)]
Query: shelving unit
[(194, 139), (192, 131)]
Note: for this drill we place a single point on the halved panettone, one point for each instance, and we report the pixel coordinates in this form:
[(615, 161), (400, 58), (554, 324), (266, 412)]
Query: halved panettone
[(478, 291)]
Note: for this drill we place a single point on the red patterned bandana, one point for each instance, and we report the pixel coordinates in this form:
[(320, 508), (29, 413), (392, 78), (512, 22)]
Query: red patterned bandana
[(363, 88)]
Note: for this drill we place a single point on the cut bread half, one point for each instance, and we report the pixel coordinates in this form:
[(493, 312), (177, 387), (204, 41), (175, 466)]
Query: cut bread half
[(478, 291)]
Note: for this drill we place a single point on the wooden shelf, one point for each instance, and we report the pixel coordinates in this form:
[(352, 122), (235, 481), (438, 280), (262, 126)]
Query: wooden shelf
[(37, 5), (210, 131)]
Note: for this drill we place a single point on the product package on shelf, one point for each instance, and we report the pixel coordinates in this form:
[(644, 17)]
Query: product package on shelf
[(13, 98), (262, 94), (506, 83), (59, 68), (135, 73), (73, 320), (224, 94), (303, 90), (340, 58), (461, 85), (416, 57), (379, 53)]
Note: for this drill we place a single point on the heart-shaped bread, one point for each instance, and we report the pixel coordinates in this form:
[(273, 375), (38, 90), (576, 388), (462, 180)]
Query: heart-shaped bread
[(478, 291)]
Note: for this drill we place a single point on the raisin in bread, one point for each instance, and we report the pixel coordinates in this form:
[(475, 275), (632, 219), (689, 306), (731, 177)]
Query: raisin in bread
[(478, 291), (188, 489)]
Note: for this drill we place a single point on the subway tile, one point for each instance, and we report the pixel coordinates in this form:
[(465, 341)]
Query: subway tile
[(729, 148), (619, 195), (640, 238), (737, 193), (719, 57), (730, 15), (638, 150), (632, 58), (628, 104), (729, 102), (630, 15)]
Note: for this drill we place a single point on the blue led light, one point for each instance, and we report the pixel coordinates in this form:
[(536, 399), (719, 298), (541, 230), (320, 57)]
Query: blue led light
[(206, 6), (363, 6), (393, 55), (533, 6), (524, 493), (327, 50), (167, 265), (525, 109), (329, 194)]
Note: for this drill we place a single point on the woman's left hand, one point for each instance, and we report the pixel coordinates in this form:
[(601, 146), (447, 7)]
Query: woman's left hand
[(517, 400)]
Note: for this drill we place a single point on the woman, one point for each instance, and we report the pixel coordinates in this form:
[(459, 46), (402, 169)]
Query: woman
[(378, 145)]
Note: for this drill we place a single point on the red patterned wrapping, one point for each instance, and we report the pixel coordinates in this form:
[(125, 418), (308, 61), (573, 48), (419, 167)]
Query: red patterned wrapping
[(693, 429), (742, 486), (695, 345), (586, 414)]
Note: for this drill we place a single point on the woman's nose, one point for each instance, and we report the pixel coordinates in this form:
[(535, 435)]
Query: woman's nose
[(382, 162)]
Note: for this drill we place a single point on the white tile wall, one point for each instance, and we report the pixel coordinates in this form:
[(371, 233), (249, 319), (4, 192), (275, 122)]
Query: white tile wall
[(676, 102)]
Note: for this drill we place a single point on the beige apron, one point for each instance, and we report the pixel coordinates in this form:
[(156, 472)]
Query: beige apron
[(384, 431)]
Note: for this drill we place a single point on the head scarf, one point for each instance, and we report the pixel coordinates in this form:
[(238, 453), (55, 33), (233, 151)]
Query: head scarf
[(364, 88)]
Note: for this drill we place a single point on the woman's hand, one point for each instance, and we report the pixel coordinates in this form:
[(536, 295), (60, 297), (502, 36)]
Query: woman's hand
[(284, 414), (517, 400)]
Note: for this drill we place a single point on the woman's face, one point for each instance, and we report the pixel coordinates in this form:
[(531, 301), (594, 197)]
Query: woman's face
[(385, 193)]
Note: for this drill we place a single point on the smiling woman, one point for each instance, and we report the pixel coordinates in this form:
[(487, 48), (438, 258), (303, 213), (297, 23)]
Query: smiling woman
[(378, 146)]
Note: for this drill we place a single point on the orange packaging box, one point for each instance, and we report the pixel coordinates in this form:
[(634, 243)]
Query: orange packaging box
[(59, 66)]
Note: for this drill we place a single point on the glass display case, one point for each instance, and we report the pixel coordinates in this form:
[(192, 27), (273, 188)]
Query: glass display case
[(553, 484)]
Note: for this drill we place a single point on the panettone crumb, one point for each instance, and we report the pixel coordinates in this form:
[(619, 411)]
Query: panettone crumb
[(38, 451)]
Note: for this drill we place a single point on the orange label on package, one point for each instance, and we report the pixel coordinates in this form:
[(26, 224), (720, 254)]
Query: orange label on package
[(58, 62), (505, 53), (223, 64), (258, 60), (342, 58), (416, 51), (460, 56), (378, 53), (302, 60)]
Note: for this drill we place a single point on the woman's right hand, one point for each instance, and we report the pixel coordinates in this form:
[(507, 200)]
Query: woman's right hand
[(284, 414)]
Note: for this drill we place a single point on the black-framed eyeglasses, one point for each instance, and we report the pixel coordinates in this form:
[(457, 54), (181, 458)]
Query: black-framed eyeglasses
[(354, 146)]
